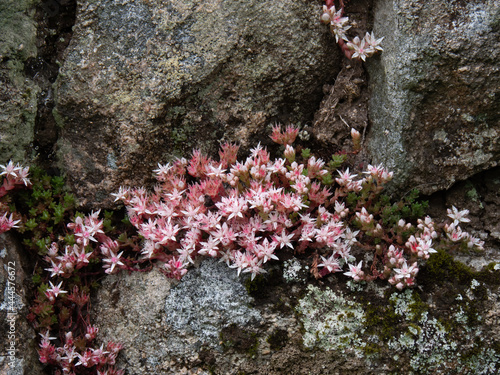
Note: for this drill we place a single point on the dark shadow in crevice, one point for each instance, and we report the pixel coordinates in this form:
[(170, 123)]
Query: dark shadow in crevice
[(55, 20)]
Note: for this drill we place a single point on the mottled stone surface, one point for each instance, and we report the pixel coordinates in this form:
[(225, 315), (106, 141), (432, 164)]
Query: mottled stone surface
[(18, 93), (162, 322), (18, 346), (209, 323), (214, 322), (434, 105), (144, 81)]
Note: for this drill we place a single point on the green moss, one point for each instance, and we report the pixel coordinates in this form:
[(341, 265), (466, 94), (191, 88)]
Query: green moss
[(258, 288), (382, 321), (253, 350), (240, 340), (278, 339), (441, 267), (417, 307), (489, 274), (179, 135), (372, 349)]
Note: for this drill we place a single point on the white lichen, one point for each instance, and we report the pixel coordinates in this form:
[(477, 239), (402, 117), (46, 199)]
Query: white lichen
[(356, 286), (434, 350), (402, 302), (292, 271), (331, 322)]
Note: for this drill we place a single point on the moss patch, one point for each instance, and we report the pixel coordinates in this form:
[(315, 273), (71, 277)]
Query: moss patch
[(442, 269), (238, 339), (278, 339)]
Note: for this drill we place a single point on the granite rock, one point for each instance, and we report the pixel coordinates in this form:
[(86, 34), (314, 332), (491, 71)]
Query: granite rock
[(18, 92), (434, 105), (144, 82)]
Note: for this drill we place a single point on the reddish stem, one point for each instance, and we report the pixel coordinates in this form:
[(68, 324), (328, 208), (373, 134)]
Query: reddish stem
[(330, 3), (347, 52)]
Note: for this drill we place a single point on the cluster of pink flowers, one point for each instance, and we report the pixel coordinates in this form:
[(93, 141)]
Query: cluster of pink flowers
[(86, 230), (355, 49), (90, 242), (68, 357), (420, 246), (456, 234), (243, 213), (238, 212), (14, 176)]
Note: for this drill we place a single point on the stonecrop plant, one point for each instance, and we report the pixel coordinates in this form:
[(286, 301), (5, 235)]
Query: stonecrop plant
[(357, 48), (45, 207), (61, 309), (245, 213), (63, 241), (14, 177)]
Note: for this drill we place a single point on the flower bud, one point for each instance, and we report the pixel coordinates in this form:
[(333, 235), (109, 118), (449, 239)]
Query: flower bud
[(355, 134), (356, 139), (290, 153)]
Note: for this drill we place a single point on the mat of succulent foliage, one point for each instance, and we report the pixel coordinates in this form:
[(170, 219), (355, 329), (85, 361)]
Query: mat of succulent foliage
[(244, 213)]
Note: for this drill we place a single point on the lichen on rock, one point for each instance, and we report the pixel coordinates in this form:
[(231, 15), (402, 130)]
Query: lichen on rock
[(207, 300), (331, 322)]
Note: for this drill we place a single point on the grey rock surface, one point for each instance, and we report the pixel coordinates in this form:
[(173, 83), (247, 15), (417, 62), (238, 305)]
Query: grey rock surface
[(18, 346), (206, 301), (159, 322), (18, 93), (434, 106), (130, 309), (209, 323), (142, 82)]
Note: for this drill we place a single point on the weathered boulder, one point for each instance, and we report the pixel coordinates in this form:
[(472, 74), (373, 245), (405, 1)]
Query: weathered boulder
[(160, 323), (434, 106), (142, 82), (286, 322), (208, 323), (18, 93), (19, 343)]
